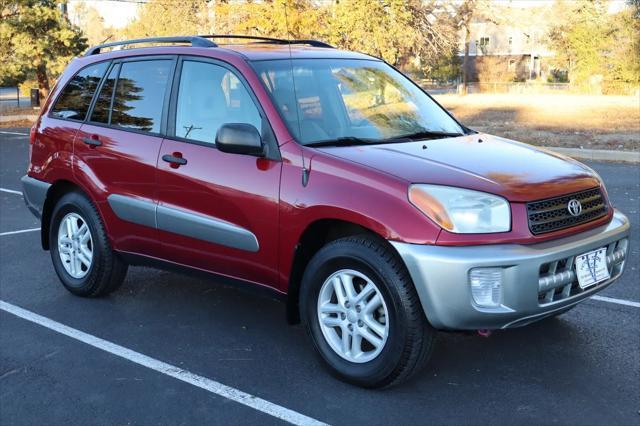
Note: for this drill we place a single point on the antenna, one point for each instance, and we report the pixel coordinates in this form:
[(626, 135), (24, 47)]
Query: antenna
[(305, 171)]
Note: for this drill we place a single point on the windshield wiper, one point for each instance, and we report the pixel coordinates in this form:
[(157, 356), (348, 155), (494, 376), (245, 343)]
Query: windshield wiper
[(352, 140), (344, 141), (424, 134)]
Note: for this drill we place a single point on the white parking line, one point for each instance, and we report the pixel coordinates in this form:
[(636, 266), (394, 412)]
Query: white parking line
[(10, 191), (22, 231), (14, 133), (201, 382), (617, 301)]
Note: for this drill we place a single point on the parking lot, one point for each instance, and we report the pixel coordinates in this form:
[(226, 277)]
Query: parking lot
[(174, 349)]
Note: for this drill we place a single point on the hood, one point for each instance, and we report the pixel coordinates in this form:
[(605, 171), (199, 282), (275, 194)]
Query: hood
[(516, 171)]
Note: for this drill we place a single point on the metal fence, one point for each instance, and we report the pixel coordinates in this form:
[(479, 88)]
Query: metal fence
[(9, 94), (534, 88), (10, 98), (519, 88)]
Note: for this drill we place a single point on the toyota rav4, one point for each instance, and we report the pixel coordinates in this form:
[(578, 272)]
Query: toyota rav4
[(325, 176)]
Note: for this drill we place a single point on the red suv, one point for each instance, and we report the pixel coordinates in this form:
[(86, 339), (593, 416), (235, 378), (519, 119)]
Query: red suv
[(323, 175)]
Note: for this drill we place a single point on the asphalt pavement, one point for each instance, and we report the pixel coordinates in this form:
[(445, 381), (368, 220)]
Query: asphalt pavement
[(581, 368)]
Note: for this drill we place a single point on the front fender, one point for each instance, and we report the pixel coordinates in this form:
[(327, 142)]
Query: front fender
[(341, 190)]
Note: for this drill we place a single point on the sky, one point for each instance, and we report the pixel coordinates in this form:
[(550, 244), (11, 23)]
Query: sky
[(118, 13)]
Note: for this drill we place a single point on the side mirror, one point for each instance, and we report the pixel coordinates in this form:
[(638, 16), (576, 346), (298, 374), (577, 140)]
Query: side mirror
[(239, 138)]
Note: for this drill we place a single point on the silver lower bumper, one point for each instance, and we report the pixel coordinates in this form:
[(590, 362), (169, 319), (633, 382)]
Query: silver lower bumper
[(530, 289)]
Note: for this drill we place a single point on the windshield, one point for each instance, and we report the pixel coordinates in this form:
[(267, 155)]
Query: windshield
[(351, 101)]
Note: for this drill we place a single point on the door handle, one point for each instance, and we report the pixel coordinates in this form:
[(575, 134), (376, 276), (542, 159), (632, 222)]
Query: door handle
[(175, 160), (92, 141)]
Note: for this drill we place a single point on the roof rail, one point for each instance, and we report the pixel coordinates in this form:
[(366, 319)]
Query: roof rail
[(313, 43), (194, 40)]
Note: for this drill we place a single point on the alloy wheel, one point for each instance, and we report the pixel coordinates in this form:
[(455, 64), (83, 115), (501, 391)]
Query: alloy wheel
[(75, 245), (353, 316)]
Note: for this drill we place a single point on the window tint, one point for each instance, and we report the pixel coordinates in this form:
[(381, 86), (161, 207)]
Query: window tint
[(208, 97), (140, 95), (100, 112), (74, 101)]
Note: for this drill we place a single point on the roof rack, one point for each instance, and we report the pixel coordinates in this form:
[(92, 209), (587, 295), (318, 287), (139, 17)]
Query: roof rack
[(194, 40), (313, 43), (203, 41)]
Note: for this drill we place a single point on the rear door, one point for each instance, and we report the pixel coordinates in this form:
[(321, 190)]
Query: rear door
[(116, 150), (217, 211)]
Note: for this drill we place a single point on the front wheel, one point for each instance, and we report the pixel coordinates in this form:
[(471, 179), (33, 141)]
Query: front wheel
[(362, 312)]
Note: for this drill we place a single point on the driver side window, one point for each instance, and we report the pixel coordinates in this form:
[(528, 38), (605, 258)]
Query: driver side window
[(208, 97)]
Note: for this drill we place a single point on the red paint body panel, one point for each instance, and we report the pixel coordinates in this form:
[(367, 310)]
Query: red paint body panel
[(239, 189), (495, 165), (342, 190), (362, 185), (124, 164), (52, 150)]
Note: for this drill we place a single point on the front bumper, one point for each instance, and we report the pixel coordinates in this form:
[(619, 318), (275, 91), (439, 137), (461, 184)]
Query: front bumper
[(531, 288)]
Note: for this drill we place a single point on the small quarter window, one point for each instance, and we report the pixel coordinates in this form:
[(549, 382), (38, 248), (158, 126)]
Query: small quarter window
[(100, 112), (75, 99), (139, 96)]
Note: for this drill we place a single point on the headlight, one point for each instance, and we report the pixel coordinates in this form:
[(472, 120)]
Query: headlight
[(462, 211)]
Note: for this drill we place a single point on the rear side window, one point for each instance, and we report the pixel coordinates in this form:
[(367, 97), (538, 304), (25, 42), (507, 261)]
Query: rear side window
[(139, 95), (74, 100)]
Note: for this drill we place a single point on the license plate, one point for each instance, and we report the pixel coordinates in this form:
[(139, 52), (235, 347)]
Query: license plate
[(591, 268)]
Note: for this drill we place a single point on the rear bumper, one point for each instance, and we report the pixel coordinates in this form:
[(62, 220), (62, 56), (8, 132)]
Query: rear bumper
[(529, 291), (34, 192)]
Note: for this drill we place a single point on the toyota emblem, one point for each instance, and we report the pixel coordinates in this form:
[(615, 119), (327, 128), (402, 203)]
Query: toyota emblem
[(574, 207)]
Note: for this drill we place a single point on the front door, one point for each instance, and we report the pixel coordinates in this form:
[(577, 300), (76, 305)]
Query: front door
[(217, 211)]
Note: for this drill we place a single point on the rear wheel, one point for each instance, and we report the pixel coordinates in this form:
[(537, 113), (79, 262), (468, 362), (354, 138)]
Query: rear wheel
[(362, 312), (80, 250), (75, 245)]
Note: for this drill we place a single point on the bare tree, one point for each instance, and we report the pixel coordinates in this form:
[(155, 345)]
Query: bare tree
[(435, 28), (465, 13)]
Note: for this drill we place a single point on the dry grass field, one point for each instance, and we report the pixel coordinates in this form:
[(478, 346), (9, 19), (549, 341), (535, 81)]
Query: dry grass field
[(571, 121)]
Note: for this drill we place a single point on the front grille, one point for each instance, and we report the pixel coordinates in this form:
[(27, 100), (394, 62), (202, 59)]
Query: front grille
[(558, 279), (553, 214)]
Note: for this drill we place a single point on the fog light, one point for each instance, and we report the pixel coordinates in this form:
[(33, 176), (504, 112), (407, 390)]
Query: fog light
[(486, 286)]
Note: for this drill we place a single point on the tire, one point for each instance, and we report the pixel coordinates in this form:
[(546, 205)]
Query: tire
[(105, 271), (407, 339)]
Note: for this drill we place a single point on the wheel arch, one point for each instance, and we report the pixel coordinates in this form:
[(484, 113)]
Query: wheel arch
[(57, 190), (315, 236)]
